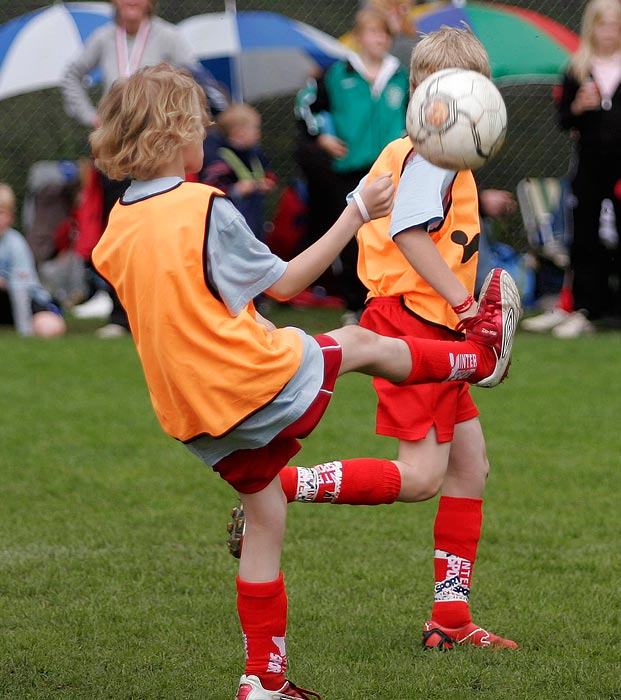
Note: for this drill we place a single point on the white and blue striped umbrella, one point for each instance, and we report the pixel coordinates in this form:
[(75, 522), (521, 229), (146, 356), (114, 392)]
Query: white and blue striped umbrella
[(260, 54), (255, 54), (36, 48)]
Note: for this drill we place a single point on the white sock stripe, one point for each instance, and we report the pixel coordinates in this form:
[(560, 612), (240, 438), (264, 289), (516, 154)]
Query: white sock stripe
[(307, 484), (456, 583), (328, 476)]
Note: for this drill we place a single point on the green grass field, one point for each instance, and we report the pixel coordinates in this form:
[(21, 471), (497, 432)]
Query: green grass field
[(116, 584)]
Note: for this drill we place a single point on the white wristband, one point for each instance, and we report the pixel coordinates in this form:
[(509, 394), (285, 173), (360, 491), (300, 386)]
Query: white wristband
[(364, 212)]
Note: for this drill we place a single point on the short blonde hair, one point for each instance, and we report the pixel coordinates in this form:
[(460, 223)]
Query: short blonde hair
[(448, 47), (370, 17), (581, 61), (237, 115), (145, 120), (7, 197)]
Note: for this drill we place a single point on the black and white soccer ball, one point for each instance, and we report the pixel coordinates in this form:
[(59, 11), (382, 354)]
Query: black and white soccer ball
[(457, 119)]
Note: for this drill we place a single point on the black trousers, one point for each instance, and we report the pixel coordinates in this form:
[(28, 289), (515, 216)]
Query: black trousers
[(112, 191), (327, 191), (595, 268)]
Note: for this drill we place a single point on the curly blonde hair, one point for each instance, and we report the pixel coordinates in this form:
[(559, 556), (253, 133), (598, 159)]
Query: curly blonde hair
[(448, 47), (145, 120)]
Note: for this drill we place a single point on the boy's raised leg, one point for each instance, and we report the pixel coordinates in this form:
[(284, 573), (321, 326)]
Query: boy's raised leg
[(492, 328), (500, 307)]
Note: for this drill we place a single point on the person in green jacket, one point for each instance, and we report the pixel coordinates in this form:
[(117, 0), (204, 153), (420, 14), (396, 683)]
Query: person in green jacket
[(355, 109)]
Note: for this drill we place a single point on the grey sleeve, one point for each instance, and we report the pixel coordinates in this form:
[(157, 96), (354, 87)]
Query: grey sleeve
[(76, 101), (421, 195), (24, 273), (239, 265)]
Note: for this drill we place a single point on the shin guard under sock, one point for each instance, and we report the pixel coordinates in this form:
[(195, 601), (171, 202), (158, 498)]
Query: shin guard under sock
[(457, 531), (442, 360), (262, 609), (353, 481)]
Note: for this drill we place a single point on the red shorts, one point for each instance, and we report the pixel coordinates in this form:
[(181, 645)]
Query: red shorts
[(249, 471), (409, 412)]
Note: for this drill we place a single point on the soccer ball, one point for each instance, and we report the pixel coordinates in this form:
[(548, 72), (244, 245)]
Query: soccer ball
[(457, 119)]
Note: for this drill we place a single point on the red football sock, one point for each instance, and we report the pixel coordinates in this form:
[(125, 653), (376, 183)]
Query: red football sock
[(366, 482), (457, 531), (444, 360), (262, 609), (289, 482)]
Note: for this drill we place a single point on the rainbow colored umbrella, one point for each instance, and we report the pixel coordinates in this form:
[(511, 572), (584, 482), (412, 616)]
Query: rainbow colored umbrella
[(523, 46)]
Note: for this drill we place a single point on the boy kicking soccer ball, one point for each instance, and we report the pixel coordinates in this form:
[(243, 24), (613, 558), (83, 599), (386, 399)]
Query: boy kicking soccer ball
[(237, 391), (419, 265)]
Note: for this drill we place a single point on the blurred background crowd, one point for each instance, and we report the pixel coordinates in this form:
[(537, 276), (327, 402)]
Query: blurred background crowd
[(257, 52)]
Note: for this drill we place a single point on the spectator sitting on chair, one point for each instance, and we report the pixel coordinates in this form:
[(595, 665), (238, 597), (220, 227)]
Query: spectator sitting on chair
[(24, 303)]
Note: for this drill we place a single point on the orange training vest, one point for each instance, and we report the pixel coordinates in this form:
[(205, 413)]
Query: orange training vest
[(206, 370), (384, 270)]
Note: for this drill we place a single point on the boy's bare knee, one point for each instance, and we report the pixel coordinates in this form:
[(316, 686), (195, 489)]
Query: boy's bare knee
[(417, 485), (353, 334)]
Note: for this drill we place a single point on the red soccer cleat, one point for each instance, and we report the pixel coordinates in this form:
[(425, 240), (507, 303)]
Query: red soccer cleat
[(495, 322), (250, 688), (435, 636)]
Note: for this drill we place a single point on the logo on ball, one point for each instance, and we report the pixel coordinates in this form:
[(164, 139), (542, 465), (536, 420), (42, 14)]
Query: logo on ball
[(436, 113), (457, 119)]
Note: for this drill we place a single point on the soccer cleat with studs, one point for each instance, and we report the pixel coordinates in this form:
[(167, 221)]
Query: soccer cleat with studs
[(495, 322), (250, 688), (236, 529), (436, 636)]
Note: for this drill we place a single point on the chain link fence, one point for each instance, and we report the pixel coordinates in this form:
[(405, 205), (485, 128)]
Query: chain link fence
[(35, 127)]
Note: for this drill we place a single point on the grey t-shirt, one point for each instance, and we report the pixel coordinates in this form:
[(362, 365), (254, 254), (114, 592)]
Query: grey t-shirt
[(164, 43), (17, 266), (421, 197), (422, 193), (241, 267)]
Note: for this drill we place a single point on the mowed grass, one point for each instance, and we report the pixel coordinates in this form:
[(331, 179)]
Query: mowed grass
[(115, 582)]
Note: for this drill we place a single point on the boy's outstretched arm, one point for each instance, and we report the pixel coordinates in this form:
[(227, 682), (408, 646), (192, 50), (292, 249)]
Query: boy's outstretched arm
[(306, 267), (422, 254)]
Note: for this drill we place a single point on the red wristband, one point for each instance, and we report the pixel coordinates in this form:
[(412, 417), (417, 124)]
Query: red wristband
[(464, 306)]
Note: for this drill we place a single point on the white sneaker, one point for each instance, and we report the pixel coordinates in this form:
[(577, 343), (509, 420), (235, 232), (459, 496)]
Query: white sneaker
[(250, 688), (98, 306), (111, 330), (544, 322), (575, 325)]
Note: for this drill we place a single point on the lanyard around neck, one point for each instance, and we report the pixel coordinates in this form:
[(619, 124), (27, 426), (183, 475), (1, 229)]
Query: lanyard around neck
[(129, 62)]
